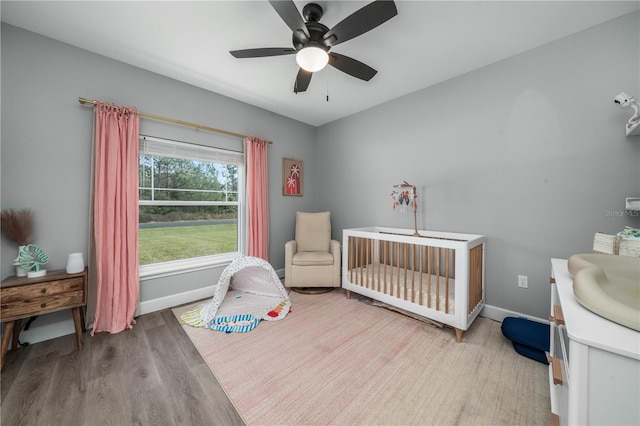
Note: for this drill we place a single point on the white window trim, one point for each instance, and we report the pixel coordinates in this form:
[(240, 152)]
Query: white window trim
[(177, 267), (182, 266)]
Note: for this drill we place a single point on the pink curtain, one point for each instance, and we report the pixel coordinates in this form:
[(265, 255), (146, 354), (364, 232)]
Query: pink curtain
[(114, 236), (257, 196)]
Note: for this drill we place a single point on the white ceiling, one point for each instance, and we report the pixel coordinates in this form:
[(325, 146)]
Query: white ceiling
[(426, 43)]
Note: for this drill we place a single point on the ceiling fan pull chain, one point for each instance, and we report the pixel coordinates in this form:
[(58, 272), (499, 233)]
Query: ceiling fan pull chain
[(327, 75)]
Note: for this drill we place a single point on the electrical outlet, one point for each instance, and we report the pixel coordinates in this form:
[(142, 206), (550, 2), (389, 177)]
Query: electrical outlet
[(522, 281)]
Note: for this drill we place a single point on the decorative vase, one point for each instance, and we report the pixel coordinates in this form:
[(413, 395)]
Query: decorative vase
[(20, 271), (35, 274), (75, 263)]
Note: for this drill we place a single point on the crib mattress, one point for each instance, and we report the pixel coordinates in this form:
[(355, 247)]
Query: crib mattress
[(395, 282)]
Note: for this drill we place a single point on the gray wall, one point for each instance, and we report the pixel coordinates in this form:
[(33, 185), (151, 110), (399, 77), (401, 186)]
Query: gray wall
[(46, 141), (530, 152)]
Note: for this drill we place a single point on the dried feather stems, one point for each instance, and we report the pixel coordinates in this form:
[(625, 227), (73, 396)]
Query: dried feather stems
[(17, 225)]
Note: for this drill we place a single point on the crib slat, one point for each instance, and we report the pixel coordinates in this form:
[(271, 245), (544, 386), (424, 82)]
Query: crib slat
[(355, 260), (446, 281), (360, 259), (438, 279), (392, 254), (351, 259), (398, 271), (376, 261), (373, 279), (384, 262), (366, 262), (413, 273), (404, 268), (429, 274), (421, 300), (453, 272)]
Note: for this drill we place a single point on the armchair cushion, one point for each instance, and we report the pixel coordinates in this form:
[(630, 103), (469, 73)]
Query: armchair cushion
[(312, 258), (313, 231)]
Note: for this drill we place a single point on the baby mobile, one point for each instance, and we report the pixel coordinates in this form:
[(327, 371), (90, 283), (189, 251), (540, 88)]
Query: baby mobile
[(404, 196)]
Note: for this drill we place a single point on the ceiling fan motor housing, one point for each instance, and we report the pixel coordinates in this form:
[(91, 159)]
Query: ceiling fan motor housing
[(312, 13), (316, 36)]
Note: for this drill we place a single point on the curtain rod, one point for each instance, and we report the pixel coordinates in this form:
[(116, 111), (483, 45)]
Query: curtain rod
[(84, 101)]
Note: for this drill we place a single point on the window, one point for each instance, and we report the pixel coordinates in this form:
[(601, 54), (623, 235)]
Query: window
[(190, 201)]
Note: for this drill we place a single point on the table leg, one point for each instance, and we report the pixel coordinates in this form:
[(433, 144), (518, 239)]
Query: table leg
[(6, 338), (77, 322), (84, 327), (16, 335)]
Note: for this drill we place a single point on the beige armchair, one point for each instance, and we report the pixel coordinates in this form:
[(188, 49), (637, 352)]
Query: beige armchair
[(313, 258)]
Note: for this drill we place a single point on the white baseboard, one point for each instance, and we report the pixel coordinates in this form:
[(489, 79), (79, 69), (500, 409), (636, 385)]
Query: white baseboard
[(499, 314), (61, 323), (161, 303)]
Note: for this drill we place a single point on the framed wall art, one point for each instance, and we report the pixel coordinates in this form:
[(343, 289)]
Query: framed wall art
[(292, 177)]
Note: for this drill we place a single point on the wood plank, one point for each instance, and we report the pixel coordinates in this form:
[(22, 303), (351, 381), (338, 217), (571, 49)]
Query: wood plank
[(559, 316), (66, 405), (556, 368), (24, 400)]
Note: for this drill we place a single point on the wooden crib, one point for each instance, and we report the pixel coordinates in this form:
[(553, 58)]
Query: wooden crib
[(437, 275)]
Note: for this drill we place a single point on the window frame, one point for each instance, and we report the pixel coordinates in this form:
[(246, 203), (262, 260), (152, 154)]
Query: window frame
[(150, 145)]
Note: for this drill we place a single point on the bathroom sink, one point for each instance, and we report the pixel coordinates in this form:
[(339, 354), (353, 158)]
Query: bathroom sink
[(609, 286)]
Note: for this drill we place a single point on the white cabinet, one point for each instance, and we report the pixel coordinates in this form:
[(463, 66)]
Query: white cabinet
[(594, 376)]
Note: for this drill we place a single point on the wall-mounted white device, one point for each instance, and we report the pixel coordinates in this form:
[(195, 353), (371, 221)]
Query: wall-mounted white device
[(625, 101), (632, 203)]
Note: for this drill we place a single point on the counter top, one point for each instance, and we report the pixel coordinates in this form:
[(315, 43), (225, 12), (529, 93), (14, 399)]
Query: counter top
[(586, 327)]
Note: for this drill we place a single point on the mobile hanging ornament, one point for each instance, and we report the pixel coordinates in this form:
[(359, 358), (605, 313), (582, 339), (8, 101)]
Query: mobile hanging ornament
[(403, 197)]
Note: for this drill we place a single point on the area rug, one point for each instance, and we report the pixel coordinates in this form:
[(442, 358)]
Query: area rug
[(342, 361)]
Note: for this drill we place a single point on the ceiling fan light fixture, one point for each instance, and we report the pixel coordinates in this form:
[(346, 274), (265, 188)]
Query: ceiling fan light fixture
[(312, 58)]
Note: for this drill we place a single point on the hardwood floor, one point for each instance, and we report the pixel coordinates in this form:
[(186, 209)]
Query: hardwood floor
[(149, 375)]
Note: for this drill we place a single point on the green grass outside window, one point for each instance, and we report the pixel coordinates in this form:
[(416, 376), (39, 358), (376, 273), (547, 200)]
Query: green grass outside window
[(157, 245)]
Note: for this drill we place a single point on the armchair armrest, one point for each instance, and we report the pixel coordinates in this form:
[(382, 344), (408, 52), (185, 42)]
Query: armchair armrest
[(335, 249), (290, 248), (337, 257)]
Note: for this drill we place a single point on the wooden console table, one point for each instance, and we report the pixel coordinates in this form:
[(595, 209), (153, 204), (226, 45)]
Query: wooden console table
[(22, 297)]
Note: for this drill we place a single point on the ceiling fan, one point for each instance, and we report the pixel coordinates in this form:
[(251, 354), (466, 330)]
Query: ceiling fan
[(312, 40)]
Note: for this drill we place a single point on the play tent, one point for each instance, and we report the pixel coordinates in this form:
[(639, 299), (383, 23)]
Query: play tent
[(248, 291)]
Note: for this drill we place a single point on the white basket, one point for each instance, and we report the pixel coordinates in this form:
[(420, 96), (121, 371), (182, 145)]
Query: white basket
[(629, 247), (606, 244)]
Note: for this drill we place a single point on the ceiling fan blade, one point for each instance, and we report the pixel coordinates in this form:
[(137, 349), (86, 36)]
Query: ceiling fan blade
[(351, 66), (262, 52), (361, 21), (302, 81), (290, 15)]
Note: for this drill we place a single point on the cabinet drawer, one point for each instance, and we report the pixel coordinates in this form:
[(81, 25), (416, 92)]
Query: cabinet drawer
[(37, 290), (42, 304)]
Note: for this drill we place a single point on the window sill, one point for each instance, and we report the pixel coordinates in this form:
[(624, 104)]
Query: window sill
[(177, 267)]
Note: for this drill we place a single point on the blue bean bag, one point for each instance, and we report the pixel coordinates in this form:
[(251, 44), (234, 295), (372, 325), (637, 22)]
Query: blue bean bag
[(529, 338)]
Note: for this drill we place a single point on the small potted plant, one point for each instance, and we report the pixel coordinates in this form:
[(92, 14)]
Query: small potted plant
[(17, 225)]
